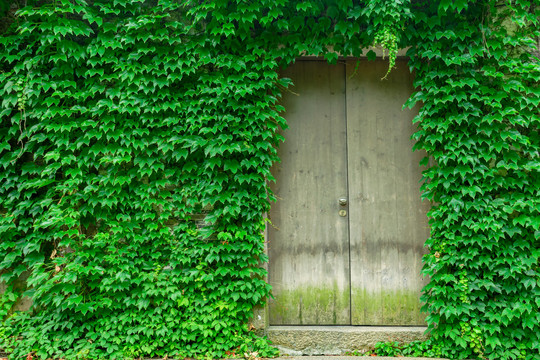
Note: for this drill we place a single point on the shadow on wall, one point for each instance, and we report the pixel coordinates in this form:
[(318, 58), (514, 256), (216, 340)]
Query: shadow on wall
[(22, 303)]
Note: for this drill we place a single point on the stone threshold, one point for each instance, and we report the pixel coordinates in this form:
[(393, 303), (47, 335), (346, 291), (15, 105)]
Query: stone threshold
[(338, 340)]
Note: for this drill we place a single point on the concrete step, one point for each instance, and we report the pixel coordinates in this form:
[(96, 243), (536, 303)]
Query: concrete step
[(338, 340)]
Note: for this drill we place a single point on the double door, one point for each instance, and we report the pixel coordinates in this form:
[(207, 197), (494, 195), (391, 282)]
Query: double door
[(348, 228)]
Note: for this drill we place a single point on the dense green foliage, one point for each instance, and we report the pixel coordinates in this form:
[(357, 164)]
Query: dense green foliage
[(119, 123), (480, 124), (123, 121), (427, 348)]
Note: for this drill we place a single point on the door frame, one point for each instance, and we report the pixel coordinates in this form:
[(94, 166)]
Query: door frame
[(260, 321)]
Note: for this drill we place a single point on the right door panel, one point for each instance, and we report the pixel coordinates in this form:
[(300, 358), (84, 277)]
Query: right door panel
[(387, 219)]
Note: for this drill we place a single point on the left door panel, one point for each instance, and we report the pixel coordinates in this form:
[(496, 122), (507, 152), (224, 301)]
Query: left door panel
[(309, 240)]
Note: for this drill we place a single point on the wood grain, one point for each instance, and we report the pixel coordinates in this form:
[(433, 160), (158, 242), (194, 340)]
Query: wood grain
[(309, 242), (388, 223)]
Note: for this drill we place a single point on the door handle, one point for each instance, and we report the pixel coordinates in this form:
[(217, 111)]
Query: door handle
[(343, 201)]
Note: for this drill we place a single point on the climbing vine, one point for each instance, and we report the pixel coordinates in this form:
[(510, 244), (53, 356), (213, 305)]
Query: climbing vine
[(137, 140), (389, 21), (479, 123)]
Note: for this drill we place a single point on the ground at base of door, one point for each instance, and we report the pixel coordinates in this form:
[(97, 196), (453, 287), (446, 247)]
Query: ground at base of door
[(341, 357), (3, 356)]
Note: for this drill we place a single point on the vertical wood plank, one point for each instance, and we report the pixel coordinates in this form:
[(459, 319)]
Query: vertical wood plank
[(308, 242), (388, 223)]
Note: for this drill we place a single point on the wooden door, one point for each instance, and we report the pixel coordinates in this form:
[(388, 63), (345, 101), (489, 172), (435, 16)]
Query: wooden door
[(356, 263), (388, 222), (309, 242)]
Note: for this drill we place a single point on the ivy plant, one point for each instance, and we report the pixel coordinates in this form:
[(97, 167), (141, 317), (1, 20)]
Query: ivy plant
[(479, 123), (137, 140)]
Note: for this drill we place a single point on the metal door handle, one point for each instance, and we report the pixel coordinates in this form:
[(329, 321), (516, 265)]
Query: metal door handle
[(343, 201)]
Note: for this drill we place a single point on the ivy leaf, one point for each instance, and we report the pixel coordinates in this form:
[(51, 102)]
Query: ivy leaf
[(231, 165), (331, 57)]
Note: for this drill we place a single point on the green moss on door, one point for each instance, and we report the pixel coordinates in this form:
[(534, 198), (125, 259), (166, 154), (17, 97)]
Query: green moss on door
[(311, 305), (386, 307)]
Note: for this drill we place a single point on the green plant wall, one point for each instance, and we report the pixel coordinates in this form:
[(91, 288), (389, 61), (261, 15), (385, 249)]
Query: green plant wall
[(480, 124), (123, 121)]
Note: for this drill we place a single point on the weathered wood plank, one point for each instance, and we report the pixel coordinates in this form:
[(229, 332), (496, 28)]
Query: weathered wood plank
[(308, 246), (308, 242), (388, 223)]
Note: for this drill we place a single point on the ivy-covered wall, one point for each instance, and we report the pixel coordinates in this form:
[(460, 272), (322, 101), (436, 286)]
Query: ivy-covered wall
[(480, 124), (121, 120)]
